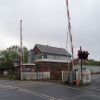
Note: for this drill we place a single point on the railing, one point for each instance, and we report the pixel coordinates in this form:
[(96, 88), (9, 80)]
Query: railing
[(34, 75)]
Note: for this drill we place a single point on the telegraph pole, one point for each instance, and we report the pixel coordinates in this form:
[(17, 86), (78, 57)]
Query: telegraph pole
[(70, 35), (21, 48)]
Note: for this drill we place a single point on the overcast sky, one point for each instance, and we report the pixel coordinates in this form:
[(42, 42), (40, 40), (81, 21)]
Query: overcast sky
[(45, 22)]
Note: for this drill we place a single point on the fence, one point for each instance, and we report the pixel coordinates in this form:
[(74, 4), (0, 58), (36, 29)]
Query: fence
[(65, 76), (34, 75), (93, 69)]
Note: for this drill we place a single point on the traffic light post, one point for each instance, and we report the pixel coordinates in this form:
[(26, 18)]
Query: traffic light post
[(81, 68), (82, 55)]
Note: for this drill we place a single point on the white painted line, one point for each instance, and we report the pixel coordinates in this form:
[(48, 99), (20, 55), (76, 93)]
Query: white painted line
[(8, 87), (29, 92), (37, 94)]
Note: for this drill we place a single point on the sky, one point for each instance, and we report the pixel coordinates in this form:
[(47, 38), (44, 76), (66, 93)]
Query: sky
[(45, 22)]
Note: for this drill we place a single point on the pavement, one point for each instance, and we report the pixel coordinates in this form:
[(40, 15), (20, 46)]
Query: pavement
[(39, 90), (95, 85)]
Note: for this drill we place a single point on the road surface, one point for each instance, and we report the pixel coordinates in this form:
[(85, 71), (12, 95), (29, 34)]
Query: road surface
[(37, 90)]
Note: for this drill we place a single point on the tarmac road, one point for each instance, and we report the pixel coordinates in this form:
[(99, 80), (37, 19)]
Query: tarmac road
[(32, 90)]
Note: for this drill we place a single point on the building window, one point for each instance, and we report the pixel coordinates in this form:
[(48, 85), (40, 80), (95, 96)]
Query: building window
[(45, 56), (39, 56)]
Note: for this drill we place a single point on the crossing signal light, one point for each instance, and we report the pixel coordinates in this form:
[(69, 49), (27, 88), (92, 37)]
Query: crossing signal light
[(83, 55)]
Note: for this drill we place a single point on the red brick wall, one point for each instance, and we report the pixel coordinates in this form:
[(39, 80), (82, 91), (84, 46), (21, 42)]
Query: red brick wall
[(54, 68)]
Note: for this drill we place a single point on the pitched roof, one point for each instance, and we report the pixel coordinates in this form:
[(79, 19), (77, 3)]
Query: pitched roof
[(52, 50)]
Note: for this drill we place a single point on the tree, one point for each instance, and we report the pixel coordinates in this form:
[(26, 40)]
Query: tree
[(25, 55), (7, 56)]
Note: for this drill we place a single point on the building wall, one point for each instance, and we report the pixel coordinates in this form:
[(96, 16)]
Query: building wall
[(53, 64), (36, 50), (31, 57), (37, 56), (55, 69), (28, 68), (52, 58)]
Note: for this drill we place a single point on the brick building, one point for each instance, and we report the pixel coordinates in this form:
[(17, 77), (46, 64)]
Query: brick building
[(50, 59)]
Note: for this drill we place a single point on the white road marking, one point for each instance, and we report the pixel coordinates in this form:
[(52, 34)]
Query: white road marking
[(37, 94), (8, 87), (30, 92), (43, 95)]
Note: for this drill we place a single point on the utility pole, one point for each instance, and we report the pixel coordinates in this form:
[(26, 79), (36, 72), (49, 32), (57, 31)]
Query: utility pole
[(70, 35), (21, 48), (81, 68)]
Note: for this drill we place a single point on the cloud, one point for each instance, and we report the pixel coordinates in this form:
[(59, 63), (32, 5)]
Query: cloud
[(45, 22)]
